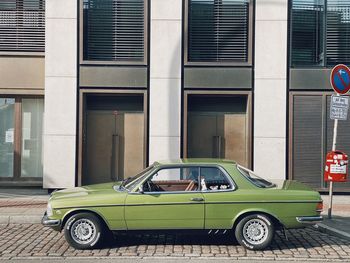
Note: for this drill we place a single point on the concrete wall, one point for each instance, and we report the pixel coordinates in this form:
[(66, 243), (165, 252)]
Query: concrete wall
[(270, 88), (60, 93), (165, 79)]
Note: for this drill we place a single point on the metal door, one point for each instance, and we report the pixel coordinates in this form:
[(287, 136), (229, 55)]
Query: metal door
[(218, 135), (114, 145)]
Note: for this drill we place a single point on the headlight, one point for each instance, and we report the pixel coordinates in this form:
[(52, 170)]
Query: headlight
[(49, 210)]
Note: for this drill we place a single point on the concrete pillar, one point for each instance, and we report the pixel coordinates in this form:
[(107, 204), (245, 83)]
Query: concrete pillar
[(270, 88), (165, 79), (60, 93)]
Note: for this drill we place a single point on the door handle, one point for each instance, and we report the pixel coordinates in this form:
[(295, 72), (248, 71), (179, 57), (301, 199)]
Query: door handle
[(197, 199)]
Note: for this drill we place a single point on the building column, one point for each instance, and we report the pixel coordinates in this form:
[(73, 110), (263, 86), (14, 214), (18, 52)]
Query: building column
[(60, 94), (165, 79), (270, 88)]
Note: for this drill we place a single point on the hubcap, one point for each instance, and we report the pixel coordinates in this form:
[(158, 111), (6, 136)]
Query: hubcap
[(83, 231), (255, 231)]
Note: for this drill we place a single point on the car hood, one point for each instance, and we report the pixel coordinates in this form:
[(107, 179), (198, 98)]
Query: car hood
[(90, 195)]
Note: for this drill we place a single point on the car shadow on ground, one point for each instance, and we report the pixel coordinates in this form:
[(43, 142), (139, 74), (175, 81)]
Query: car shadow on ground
[(296, 239)]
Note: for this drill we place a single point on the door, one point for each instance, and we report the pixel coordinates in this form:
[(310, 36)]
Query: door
[(171, 200), (217, 127), (114, 143)]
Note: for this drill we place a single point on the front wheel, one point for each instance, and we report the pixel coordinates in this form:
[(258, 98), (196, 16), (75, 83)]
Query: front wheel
[(83, 231), (255, 231)]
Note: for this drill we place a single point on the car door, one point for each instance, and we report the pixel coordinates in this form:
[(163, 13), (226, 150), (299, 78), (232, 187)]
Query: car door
[(218, 190), (171, 199)]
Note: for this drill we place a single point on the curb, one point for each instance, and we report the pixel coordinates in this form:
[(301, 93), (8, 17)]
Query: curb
[(332, 231), (20, 219)]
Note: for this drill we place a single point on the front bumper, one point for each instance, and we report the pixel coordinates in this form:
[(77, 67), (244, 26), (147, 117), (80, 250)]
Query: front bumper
[(54, 223), (309, 219)]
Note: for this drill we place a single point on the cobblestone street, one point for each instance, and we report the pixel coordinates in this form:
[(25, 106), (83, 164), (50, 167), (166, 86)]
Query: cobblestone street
[(35, 241)]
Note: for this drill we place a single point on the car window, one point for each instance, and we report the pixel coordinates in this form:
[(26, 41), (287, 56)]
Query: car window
[(131, 182), (213, 179), (173, 180), (253, 178)]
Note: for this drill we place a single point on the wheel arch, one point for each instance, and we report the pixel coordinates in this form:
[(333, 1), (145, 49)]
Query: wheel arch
[(77, 211), (276, 221)]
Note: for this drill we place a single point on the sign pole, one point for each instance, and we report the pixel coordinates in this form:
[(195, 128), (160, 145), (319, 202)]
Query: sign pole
[(340, 76), (334, 146)]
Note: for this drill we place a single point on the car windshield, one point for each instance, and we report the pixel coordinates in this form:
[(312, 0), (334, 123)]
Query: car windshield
[(253, 178), (130, 182)]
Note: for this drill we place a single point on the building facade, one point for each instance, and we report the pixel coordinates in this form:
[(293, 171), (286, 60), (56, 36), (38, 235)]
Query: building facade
[(96, 90)]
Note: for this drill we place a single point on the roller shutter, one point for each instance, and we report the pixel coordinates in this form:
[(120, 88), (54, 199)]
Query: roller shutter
[(307, 139)]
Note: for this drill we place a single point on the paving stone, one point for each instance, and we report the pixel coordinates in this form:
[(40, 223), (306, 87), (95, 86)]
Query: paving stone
[(35, 241)]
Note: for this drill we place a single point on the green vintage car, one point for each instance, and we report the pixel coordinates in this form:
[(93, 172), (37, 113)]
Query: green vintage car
[(189, 194)]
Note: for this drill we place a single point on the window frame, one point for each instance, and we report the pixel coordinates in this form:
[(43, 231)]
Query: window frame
[(83, 61), (225, 173), (208, 63)]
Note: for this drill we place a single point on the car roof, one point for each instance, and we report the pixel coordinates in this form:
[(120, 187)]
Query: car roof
[(195, 161)]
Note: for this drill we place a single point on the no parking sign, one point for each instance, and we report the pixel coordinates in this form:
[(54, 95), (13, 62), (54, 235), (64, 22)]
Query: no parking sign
[(340, 79)]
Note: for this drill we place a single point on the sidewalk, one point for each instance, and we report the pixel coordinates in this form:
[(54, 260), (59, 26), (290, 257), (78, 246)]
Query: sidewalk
[(27, 206), (22, 206), (339, 225)]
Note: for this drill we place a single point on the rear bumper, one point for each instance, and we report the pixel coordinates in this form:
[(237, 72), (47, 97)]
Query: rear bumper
[(309, 219), (53, 223)]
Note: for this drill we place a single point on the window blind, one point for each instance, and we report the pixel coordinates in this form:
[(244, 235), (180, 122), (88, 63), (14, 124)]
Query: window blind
[(114, 30), (218, 30), (307, 33), (338, 32), (22, 25)]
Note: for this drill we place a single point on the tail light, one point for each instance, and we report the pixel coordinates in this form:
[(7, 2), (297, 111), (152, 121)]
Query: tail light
[(319, 207)]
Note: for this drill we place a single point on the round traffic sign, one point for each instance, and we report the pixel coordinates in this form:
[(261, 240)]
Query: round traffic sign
[(340, 79)]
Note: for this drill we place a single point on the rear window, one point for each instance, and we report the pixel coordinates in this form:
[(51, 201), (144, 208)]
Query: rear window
[(254, 179)]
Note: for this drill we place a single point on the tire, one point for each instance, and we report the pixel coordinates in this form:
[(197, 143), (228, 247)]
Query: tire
[(84, 231), (255, 232)]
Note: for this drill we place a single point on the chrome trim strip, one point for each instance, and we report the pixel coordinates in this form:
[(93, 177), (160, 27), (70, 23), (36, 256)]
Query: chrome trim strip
[(194, 203), (309, 219)]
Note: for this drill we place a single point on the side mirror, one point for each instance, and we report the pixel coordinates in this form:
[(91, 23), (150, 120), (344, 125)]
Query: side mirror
[(141, 189)]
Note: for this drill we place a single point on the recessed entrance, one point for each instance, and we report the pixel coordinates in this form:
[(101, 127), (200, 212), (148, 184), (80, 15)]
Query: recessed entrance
[(114, 139), (218, 127)]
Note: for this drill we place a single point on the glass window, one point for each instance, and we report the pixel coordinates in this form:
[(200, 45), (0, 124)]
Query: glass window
[(173, 180), (212, 178), (256, 180), (114, 30), (7, 136), (320, 38), (32, 131), (218, 30), (22, 25), (338, 32), (307, 33)]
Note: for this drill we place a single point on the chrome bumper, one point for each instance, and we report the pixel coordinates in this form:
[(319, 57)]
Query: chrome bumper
[(50, 222), (309, 219)]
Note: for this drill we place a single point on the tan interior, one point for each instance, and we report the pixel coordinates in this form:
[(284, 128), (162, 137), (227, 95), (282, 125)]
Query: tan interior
[(176, 185)]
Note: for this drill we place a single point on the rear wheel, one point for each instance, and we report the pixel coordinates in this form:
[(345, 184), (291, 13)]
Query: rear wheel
[(255, 231), (84, 230)]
